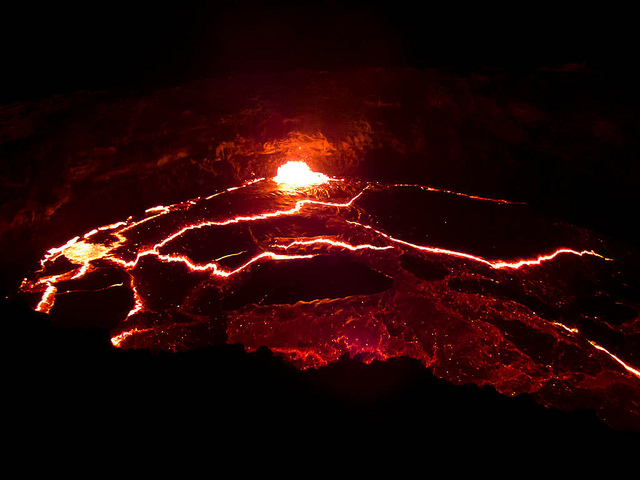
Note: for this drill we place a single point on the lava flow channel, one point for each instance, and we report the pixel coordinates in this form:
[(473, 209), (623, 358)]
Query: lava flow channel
[(468, 317)]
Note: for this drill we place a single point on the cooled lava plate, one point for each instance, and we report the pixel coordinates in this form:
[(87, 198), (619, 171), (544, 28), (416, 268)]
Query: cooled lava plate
[(479, 290)]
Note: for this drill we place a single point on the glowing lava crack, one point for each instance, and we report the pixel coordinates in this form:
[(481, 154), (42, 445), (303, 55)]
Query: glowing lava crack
[(315, 267)]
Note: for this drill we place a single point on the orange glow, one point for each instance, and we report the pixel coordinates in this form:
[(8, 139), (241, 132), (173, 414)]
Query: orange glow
[(299, 145), (116, 340), (543, 258), (298, 174), (334, 243), (215, 269), (626, 367), (493, 264), (49, 296), (460, 194), (293, 173), (260, 216), (568, 329), (83, 252), (307, 247)]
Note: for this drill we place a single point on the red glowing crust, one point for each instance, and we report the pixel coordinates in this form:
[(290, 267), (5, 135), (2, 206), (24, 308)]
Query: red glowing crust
[(357, 324)]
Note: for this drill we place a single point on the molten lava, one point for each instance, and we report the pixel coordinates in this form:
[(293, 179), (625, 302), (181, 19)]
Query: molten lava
[(348, 267), (298, 174)]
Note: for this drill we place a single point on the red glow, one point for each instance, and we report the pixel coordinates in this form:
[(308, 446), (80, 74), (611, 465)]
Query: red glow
[(425, 320), (493, 264), (83, 253)]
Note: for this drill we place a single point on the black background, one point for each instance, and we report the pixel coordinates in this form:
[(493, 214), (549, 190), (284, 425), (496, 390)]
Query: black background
[(67, 46), (76, 384)]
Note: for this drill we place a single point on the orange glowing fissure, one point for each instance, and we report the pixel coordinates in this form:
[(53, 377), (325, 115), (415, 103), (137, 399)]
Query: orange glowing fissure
[(81, 251)]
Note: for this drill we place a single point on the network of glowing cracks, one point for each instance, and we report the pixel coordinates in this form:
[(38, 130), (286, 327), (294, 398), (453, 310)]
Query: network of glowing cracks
[(293, 175)]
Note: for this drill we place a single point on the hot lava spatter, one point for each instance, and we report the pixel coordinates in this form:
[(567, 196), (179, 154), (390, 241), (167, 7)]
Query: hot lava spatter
[(315, 267)]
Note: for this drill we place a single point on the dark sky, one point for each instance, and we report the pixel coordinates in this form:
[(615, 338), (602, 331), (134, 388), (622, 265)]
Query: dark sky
[(65, 47)]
